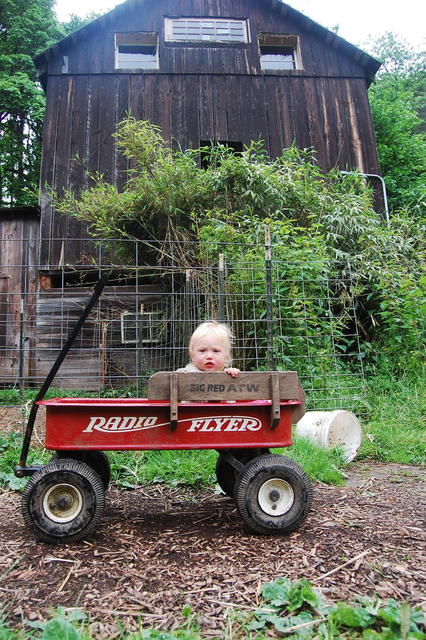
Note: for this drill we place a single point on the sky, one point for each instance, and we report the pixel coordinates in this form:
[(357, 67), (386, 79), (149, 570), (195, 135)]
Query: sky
[(358, 22)]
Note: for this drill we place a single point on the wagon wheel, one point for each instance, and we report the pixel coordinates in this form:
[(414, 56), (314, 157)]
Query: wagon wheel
[(273, 495), (63, 501), (96, 460), (225, 472)]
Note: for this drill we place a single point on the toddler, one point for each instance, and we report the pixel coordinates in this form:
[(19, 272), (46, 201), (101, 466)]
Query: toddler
[(210, 349)]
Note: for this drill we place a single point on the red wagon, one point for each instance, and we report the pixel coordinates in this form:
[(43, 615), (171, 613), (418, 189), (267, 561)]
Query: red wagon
[(241, 418)]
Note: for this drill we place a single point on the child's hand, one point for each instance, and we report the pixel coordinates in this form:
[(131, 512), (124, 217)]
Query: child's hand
[(232, 371)]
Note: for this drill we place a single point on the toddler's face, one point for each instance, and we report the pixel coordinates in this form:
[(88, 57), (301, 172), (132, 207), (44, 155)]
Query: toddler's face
[(208, 353)]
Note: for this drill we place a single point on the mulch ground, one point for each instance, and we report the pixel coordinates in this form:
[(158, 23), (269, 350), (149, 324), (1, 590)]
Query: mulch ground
[(160, 548)]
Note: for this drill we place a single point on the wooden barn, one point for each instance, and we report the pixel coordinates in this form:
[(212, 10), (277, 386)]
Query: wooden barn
[(230, 71), (203, 70)]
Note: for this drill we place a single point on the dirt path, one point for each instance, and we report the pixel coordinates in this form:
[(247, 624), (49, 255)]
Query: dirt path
[(160, 548)]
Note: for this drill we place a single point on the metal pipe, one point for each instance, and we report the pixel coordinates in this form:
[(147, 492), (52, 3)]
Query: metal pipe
[(268, 293), (382, 182), (221, 289)]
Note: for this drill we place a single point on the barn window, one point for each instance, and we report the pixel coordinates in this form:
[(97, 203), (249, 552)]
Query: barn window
[(136, 50), (206, 30), (142, 328), (279, 52)]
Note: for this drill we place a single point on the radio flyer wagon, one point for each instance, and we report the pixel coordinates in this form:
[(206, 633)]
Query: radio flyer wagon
[(242, 418)]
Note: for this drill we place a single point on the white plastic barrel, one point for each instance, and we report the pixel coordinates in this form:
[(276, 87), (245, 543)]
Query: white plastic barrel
[(332, 429)]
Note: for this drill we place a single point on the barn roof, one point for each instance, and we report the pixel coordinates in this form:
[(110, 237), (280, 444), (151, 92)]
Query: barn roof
[(370, 64)]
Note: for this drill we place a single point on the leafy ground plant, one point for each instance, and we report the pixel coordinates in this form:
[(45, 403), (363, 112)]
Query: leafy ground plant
[(291, 609), (298, 610), (10, 448)]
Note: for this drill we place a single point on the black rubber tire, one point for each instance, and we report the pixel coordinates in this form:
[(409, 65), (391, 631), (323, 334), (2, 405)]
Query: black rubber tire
[(96, 460), (226, 475), (63, 501), (273, 482)]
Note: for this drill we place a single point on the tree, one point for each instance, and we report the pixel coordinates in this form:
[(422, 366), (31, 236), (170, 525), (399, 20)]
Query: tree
[(76, 22), (27, 27), (398, 106)]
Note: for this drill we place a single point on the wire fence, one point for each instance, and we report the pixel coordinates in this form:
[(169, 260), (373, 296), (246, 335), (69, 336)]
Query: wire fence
[(285, 315)]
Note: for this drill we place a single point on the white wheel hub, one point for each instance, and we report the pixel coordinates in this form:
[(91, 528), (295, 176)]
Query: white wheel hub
[(275, 497), (62, 503)]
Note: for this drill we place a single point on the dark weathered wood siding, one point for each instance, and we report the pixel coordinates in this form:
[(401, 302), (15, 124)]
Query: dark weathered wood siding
[(200, 92), (18, 283), (98, 357)]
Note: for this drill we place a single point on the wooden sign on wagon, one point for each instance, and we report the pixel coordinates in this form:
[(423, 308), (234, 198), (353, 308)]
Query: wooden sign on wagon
[(216, 386)]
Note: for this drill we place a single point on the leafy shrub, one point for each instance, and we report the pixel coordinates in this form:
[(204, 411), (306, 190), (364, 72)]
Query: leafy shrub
[(372, 272)]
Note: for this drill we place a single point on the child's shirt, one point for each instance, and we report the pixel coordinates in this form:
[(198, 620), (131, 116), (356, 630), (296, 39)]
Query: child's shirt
[(190, 368)]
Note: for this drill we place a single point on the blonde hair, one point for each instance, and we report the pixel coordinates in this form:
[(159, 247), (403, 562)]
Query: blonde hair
[(219, 329)]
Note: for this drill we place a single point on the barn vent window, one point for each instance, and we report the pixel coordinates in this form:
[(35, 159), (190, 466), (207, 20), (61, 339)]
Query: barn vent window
[(137, 50), (205, 30), (279, 52)]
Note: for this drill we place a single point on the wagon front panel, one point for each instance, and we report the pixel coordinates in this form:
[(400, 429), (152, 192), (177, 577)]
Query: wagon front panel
[(128, 424)]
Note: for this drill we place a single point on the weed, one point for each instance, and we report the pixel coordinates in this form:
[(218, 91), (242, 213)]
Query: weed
[(298, 610), (292, 608), (10, 449)]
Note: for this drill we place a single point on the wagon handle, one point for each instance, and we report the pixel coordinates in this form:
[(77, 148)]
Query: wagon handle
[(20, 469)]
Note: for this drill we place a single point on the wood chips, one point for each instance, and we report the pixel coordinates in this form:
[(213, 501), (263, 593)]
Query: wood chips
[(160, 548)]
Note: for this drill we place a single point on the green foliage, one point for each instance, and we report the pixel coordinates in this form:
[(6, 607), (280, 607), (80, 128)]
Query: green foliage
[(295, 609), (27, 27), (59, 629), (395, 427), (63, 626), (401, 144), (321, 464), (24, 397), (10, 449), (76, 22), (398, 106), (132, 469), (298, 610), (292, 595), (352, 261)]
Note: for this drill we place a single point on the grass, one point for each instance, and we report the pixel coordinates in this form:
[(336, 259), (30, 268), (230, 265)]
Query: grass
[(396, 427), (394, 431), (10, 449), (131, 469), (19, 397), (323, 465)]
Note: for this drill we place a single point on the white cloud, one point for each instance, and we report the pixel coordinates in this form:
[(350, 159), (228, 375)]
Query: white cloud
[(357, 21)]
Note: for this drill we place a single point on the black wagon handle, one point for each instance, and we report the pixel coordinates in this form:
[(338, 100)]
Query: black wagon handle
[(21, 469)]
